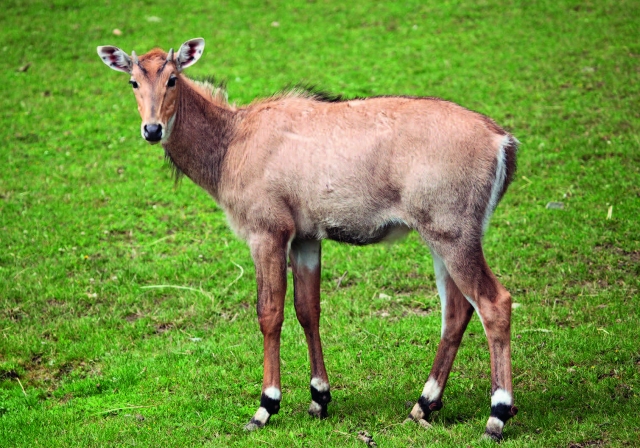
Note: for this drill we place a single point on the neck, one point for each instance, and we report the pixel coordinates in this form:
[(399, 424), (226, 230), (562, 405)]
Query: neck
[(201, 133)]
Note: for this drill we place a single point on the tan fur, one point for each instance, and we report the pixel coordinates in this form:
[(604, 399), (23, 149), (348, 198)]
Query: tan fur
[(293, 169)]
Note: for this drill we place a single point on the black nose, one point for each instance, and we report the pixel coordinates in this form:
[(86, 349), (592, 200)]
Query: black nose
[(153, 132)]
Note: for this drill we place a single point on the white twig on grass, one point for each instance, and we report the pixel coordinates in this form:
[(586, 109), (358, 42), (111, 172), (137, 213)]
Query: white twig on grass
[(160, 240), (122, 409), (237, 278), (374, 335), (21, 387), (186, 288), (219, 419), (200, 290), (528, 182), (390, 426), (339, 282), (342, 433), (19, 272)]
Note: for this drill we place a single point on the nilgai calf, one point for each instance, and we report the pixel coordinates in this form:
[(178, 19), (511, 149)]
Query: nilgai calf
[(297, 168)]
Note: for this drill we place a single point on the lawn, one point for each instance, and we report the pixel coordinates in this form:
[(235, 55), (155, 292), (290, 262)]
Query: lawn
[(127, 306)]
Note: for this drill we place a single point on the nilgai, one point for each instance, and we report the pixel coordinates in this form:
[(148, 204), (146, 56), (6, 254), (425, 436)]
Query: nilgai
[(298, 167)]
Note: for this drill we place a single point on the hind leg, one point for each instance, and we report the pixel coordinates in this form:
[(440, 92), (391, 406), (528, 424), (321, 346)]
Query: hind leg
[(456, 313), (492, 302)]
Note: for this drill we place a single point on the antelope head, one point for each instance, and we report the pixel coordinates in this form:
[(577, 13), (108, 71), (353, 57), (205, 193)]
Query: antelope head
[(155, 78)]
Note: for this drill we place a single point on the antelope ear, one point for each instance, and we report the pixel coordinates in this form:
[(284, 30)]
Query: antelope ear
[(189, 53), (115, 58)]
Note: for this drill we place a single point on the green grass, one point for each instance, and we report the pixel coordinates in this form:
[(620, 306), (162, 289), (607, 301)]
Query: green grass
[(89, 219)]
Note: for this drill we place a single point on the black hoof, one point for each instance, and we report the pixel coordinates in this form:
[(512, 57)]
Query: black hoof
[(318, 411), (495, 436), (253, 425)]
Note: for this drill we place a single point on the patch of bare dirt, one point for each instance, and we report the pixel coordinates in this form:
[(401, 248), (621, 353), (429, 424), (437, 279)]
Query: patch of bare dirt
[(164, 327), (133, 317), (8, 374), (632, 256), (404, 311), (48, 375), (417, 311)]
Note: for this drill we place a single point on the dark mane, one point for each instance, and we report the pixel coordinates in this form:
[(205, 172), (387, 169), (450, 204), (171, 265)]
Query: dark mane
[(217, 89), (318, 94), (211, 81), (309, 91)]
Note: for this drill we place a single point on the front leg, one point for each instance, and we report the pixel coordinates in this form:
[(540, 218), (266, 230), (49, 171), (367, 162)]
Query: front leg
[(305, 264), (269, 254)]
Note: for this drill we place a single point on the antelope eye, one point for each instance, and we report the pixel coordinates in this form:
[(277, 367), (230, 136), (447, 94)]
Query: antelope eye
[(133, 84), (172, 82)]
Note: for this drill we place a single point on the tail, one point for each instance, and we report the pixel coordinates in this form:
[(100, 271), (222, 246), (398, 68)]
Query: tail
[(505, 171), (510, 151)]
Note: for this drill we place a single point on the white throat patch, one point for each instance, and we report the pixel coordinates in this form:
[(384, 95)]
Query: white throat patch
[(166, 131)]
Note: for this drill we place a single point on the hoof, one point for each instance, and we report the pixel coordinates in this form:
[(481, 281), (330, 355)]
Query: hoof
[(253, 425), (422, 410), (258, 421), (422, 422), (493, 430), (317, 410), (493, 436)]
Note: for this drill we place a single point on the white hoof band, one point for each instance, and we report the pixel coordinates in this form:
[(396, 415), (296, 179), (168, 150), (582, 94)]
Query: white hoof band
[(501, 396), (319, 385), (261, 415), (416, 413), (494, 425), (431, 390), (273, 393), (315, 409)]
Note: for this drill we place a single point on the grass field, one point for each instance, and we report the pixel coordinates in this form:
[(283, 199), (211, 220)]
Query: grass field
[(127, 307)]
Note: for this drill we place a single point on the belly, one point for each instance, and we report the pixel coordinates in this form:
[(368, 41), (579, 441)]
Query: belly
[(389, 232)]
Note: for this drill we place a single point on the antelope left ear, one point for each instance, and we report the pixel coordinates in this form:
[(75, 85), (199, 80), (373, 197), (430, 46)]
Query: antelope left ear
[(189, 53), (115, 58)]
